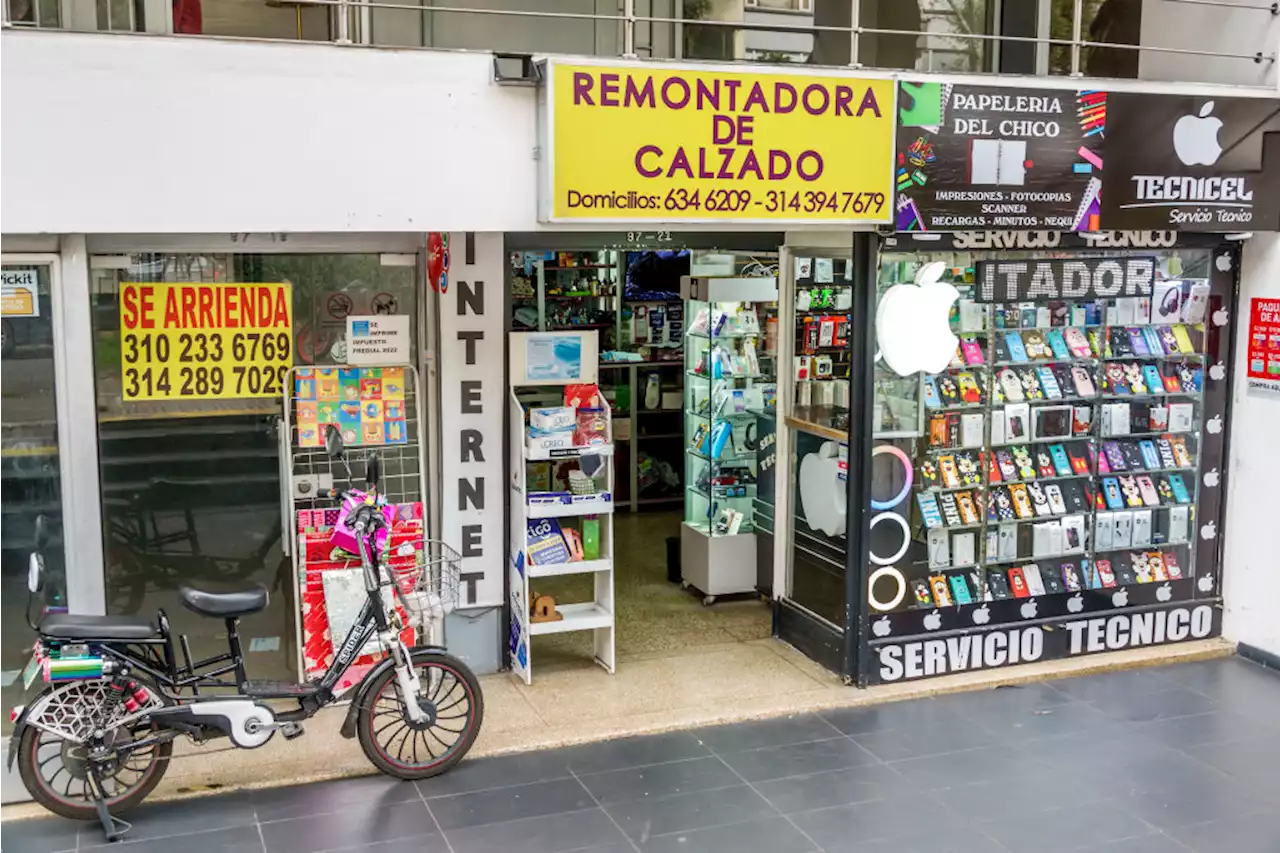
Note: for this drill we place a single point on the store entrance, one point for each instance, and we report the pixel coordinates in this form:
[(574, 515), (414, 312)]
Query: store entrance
[(669, 483)]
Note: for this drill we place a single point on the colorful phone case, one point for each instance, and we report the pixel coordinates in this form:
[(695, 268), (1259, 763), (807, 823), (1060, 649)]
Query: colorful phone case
[(1053, 492), (972, 351), (1155, 382), (1170, 379), (1031, 574), (1070, 577), (970, 392), (1083, 382), (1061, 462), (1137, 341), (1011, 386), (1049, 383), (947, 467), (1150, 457), (1153, 340), (1130, 492), (1018, 584), (1057, 343), (1166, 453), (998, 583), (1017, 352), (968, 509), (1039, 502), (1184, 340), (929, 511), (1105, 574), (1118, 345), (948, 391), (1002, 504), (1171, 567), (960, 589), (1035, 345), (1077, 342), (931, 398), (1111, 492), (1165, 490), (1079, 461), (1021, 501), (924, 596), (993, 469), (1132, 455), (1007, 467), (1044, 462), (1168, 340), (1052, 581), (1180, 493), (1181, 455), (950, 511), (941, 593)]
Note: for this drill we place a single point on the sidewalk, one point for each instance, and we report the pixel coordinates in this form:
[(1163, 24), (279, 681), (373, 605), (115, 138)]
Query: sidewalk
[(1176, 758)]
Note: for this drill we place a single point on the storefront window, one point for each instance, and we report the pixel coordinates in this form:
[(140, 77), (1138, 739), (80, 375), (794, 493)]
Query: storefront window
[(192, 488), (1050, 464), (29, 450)]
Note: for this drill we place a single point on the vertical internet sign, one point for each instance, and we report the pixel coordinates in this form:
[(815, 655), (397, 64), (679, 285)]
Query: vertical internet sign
[(625, 143), (471, 414)]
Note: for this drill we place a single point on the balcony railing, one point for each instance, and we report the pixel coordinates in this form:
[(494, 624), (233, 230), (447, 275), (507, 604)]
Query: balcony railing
[(1063, 37)]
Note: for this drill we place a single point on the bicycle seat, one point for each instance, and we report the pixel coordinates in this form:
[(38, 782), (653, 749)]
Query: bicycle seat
[(224, 605), (70, 627)]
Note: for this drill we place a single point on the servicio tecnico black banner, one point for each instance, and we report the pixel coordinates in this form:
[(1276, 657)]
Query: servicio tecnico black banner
[(1046, 280), (1008, 645)]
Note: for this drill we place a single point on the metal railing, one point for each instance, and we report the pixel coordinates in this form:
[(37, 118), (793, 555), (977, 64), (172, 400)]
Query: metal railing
[(639, 29)]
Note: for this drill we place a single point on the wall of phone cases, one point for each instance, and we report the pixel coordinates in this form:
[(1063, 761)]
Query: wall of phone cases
[(1066, 464)]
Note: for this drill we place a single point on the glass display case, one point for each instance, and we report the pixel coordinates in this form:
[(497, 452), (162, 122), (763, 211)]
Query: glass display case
[(730, 397), (1057, 470)]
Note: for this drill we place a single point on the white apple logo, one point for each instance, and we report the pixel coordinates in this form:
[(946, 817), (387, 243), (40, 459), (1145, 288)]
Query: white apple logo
[(1220, 317), (1214, 425), (881, 627), (822, 497), (1223, 262), (1075, 603), (1028, 609), (1205, 583), (1209, 531), (1120, 598), (1211, 478), (913, 326), (1218, 372), (933, 621), (1195, 139), (982, 615), (1164, 593)]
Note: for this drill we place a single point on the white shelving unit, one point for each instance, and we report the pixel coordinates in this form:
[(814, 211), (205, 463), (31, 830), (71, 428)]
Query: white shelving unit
[(595, 615)]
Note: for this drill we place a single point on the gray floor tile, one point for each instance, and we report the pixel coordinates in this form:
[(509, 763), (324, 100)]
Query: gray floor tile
[(757, 735), (1065, 828), (515, 803), (799, 759), (1133, 682), (895, 744), (1259, 833), (327, 797), (1233, 681), (1156, 842), (895, 715), (585, 830), (483, 773), (952, 840), (1156, 705), (775, 835), (965, 768), (1184, 801), (41, 834), (834, 788), (1099, 750), (240, 839), (1254, 760), (1016, 795), (180, 817), (631, 752), (351, 828), (659, 780), (1218, 726), (841, 827), (1017, 724), (643, 819)]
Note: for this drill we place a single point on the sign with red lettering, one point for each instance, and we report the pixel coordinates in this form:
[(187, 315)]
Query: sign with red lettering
[(204, 341), (1264, 344)]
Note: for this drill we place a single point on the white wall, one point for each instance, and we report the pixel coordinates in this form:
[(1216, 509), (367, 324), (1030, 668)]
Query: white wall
[(1188, 26), (1251, 569), (136, 134)]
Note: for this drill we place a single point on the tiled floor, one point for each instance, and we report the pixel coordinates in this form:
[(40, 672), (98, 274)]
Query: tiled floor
[(1178, 758)]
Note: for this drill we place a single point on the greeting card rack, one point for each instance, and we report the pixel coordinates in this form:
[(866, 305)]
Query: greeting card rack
[(315, 397)]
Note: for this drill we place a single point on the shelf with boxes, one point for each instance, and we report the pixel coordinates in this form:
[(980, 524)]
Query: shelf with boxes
[(1058, 455), (561, 515)]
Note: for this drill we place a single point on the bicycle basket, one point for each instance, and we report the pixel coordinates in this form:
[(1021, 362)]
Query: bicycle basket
[(429, 589)]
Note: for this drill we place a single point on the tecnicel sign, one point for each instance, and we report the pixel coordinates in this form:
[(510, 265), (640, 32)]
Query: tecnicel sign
[(996, 157), (626, 143)]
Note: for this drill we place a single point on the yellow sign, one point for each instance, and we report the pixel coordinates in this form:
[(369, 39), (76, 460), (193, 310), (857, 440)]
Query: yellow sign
[(205, 341), (695, 145), (21, 293)]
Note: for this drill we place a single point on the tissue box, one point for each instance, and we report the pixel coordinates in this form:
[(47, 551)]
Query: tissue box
[(552, 419), (544, 443)]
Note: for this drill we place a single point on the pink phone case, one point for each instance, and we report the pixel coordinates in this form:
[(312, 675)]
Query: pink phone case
[(1077, 342), (972, 352)]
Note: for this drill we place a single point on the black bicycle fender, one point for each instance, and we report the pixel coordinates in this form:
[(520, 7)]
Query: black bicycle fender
[(348, 729)]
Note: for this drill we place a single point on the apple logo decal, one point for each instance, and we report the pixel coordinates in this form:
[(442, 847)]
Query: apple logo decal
[(822, 497), (1211, 478), (1220, 317), (933, 621), (1164, 593), (1214, 425), (913, 327), (1209, 531), (1028, 609), (1205, 583), (1223, 262), (1195, 138), (881, 627), (1075, 603), (1120, 598), (1218, 372), (982, 615)]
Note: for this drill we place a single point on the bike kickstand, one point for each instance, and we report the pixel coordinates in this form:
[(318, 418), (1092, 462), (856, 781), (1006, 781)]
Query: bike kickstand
[(113, 828)]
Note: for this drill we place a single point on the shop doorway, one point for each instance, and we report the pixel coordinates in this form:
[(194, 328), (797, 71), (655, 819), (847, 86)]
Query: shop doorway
[(627, 288)]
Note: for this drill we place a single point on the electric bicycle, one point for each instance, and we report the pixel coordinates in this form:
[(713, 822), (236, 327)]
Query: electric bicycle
[(99, 738)]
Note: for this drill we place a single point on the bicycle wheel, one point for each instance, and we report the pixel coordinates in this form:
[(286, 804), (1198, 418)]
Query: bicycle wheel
[(55, 771), (450, 696)]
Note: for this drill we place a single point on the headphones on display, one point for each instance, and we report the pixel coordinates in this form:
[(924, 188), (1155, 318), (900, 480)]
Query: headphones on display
[(750, 441)]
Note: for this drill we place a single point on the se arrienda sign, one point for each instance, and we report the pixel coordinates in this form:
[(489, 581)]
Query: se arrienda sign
[(628, 143)]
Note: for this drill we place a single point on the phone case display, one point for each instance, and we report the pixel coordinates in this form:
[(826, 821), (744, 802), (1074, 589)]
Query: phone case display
[(1064, 439), (728, 386), (820, 363), (562, 521)]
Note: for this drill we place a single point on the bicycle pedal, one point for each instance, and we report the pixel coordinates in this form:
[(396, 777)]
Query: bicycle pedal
[(292, 730)]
